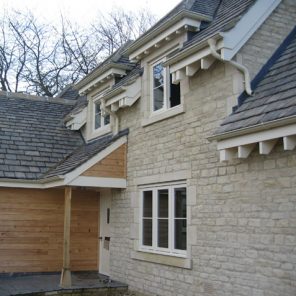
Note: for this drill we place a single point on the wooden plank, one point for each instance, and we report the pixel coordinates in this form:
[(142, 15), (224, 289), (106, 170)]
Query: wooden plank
[(66, 281), (112, 166), (31, 228)]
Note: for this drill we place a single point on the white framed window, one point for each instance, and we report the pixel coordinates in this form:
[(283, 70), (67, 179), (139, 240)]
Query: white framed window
[(163, 220), (164, 93), (100, 121)]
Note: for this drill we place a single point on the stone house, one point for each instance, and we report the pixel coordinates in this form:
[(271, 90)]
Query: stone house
[(178, 153)]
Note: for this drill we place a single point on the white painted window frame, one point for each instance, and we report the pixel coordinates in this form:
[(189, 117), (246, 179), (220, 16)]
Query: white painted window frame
[(166, 78), (103, 125), (165, 87), (154, 248)]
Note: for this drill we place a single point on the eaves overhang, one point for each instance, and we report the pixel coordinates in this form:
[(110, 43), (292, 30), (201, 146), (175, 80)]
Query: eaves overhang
[(100, 72), (253, 129), (190, 50), (229, 40), (113, 92), (240, 143), (36, 183), (158, 30), (73, 177)]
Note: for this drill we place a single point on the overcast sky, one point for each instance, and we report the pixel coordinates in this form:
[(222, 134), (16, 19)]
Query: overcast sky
[(84, 11)]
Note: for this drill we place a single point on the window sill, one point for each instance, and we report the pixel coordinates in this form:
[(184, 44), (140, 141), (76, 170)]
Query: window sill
[(169, 259), (163, 115)]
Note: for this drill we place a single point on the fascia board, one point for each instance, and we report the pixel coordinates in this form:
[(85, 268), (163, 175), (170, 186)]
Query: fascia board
[(162, 35), (246, 26), (158, 30), (260, 136), (195, 54), (38, 184), (193, 49), (116, 98), (254, 129), (190, 60), (104, 75), (124, 91), (84, 181)]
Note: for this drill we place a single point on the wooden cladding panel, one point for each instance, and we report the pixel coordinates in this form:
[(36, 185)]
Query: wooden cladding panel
[(112, 166), (31, 230)]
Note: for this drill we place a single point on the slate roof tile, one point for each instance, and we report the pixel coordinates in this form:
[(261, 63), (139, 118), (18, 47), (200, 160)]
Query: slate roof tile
[(206, 8), (33, 137), (274, 91), (82, 154), (227, 12), (34, 142)]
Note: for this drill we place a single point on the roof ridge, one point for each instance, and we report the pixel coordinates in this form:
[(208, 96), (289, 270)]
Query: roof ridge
[(267, 66), (36, 98)]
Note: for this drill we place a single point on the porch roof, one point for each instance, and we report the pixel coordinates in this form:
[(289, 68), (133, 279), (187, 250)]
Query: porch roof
[(35, 144), (83, 154)]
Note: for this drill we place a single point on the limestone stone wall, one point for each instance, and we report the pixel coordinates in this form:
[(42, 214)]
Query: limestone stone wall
[(264, 42), (241, 214)]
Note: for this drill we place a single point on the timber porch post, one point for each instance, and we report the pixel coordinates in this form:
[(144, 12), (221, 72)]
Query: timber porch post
[(66, 272)]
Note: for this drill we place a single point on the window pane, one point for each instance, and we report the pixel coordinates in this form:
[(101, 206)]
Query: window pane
[(97, 121), (180, 234), (97, 116), (98, 108), (180, 202), (147, 204), (158, 98), (163, 203), (157, 75), (175, 95), (147, 232), (107, 119), (163, 233)]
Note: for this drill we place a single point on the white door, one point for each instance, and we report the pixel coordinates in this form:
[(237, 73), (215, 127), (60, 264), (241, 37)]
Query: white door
[(104, 235)]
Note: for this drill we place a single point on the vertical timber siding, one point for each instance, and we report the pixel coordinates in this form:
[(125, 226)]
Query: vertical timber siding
[(31, 230)]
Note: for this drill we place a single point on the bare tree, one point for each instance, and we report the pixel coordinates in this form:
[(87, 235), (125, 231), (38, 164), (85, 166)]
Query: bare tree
[(80, 47), (42, 59), (117, 27), (13, 54)]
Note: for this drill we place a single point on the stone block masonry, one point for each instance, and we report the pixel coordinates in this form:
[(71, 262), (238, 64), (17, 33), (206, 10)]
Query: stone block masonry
[(241, 214)]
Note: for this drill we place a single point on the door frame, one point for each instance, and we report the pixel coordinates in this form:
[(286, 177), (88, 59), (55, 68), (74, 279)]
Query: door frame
[(104, 194)]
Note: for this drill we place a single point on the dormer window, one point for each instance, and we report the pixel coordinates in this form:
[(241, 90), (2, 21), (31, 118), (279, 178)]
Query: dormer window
[(100, 120), (165, 94)]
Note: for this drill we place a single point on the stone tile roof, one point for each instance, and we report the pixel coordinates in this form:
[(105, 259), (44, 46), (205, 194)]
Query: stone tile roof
[(274, 92), (228, 12), (34, 142), (82, 154), (33, 137), (118, 58), (206, 8), (69, 93)]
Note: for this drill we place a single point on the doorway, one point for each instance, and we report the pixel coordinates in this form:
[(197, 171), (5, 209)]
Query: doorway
[(104, 237)]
